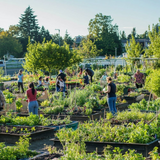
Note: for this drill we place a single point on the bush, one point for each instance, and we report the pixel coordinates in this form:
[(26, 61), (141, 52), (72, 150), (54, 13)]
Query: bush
[(152, 83)]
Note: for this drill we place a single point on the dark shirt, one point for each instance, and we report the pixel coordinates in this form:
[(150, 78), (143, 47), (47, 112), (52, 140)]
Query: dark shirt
[(90, 72), (62, 76), (112, 93), (86, 79)]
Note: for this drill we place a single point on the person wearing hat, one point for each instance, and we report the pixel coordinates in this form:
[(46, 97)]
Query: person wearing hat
[(20, 80), (139, 79)]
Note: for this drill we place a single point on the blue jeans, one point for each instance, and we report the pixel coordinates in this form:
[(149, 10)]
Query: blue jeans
[(33, 107), (112, 105)]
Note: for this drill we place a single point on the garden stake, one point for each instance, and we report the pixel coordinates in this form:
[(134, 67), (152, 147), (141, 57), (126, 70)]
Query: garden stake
[(104, 113), (92, 117), (154, 117), (149, 99)]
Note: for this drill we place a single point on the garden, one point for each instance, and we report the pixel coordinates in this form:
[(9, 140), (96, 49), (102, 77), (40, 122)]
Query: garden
[(79, 125)]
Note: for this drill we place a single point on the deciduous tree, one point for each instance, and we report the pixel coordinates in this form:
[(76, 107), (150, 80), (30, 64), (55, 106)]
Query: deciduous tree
[(48, 56), (9, 45)]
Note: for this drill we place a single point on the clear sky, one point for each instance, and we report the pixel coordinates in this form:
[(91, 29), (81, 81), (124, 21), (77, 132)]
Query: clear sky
[(74, 15)]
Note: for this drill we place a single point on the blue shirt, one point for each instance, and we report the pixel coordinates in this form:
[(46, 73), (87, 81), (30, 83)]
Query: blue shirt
[(20, 78)]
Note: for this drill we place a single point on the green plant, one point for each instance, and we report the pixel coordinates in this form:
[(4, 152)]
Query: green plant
[(152, 83), (19, 104), (20, 151), (123, 78)]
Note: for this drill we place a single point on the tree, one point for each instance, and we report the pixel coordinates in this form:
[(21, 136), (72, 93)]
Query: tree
[(44, 34), (88, 49), (105, 35), (55, 39), (133, 49), (1, 29), (9, 45), (154, 47), (123, 35), (48, 56), (134, 32), (28, 27), (14, 31), (68, 39), (144, 35)]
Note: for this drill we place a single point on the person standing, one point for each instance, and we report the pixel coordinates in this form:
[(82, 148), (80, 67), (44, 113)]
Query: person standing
[(20, 80), (60, 85), (90, 73), (111, 94), (63, 77), (2, 100), (32, 100), (103, 79), (139, 79)]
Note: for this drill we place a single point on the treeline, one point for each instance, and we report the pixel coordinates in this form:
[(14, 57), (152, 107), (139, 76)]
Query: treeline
[(103, 37)]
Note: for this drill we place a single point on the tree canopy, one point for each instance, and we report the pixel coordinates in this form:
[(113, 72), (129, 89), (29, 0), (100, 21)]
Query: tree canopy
[(9, 45), (48, 56), (104, 34)]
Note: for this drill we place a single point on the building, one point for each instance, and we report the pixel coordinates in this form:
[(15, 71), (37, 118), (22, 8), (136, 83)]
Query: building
[(144, 42)]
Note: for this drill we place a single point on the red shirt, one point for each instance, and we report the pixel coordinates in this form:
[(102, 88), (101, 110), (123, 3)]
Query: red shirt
[(30, 96)]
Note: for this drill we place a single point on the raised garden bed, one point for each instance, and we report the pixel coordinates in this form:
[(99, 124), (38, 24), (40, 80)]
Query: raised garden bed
[(11, 134), (131, 100), (77, 117), (122, 106), (99, 146), (46, 156), (73, 125), (72, 85)]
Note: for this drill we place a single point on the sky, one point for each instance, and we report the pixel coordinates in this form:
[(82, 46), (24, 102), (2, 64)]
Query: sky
[(74, 15)]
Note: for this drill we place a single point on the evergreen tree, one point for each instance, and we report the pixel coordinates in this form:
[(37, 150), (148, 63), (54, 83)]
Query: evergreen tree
[(123, 35), (44, 34), (68, 39), (28, 25), (55, 39)]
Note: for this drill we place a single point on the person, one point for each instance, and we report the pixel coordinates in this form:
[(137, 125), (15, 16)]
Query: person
[(32, 101), (63, 76), (60, 85), (90, 73), (103, 79), (111, 94), (2, 100), (86, 79), (40, 82), (46, 83), (139, 79), (20, 80)]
